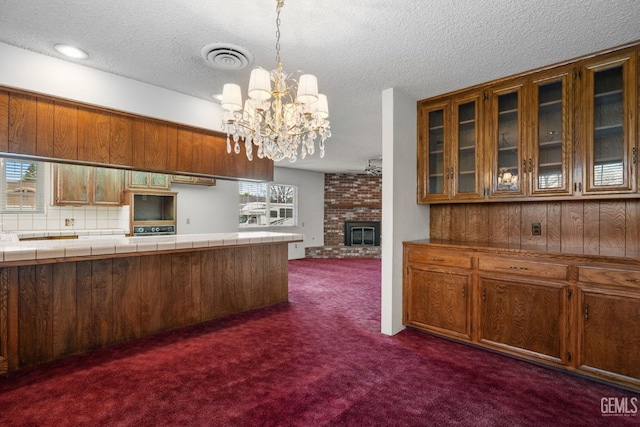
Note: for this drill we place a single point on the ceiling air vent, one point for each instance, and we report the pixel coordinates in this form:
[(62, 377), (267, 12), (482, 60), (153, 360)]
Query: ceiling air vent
[(227, 57)]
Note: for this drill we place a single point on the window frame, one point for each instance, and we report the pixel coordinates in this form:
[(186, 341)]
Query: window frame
[(39, 187), (270, 208)]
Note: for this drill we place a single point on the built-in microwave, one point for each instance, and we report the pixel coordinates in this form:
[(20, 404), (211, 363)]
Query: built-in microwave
[(152, 211)]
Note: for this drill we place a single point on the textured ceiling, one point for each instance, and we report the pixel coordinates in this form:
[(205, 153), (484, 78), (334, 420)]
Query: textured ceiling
[(357, 48)]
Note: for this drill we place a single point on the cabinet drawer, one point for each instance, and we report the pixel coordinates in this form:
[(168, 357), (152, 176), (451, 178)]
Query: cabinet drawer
[(529, 268), (609, 276), (438, 257)]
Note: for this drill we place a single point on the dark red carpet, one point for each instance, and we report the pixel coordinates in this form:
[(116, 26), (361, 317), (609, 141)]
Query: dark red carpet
[(317, 360)]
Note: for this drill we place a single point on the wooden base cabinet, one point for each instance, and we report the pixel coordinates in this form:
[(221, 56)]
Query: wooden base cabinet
[(609, 334), (575, 312), (522, 317), (608, 320), (439, 301)]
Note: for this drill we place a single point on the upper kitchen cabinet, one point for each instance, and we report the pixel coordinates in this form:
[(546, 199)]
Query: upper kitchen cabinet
[(609, 107), (137, 180), (433, 162), (22, 124), (564, 132), (549, 155), (506, 140), (157, 149), (94, 135), (4, 121), (86, 185), (48, 128), (449, 149)]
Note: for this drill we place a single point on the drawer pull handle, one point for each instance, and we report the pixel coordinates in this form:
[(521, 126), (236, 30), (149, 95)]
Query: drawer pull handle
[(437, 259), (633, 280), (513, 267)]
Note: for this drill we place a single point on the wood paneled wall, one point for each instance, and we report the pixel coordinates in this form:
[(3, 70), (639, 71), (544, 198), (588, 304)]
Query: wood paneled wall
[(598, 227), (48, 311)]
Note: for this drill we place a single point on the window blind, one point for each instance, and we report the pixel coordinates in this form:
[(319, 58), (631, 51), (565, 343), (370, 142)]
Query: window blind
[(22, 185)]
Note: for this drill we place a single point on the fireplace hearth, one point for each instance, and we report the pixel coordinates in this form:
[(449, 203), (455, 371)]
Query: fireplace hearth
[(362, 233)]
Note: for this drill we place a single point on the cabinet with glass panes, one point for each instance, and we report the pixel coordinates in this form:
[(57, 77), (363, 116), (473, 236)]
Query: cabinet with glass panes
[(549, 156), (466, 170), (609, 87), (448, 149), (432, 173), (505, 140), (564, 132)]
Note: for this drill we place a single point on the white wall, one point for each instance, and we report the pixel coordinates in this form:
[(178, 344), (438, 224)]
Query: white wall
[(402, 218), (310, 207), (204, 209)]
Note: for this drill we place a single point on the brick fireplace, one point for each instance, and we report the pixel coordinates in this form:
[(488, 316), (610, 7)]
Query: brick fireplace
[(350, 198)]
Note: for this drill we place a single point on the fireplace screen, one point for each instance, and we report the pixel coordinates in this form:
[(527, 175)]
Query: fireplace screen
[(362, 233)]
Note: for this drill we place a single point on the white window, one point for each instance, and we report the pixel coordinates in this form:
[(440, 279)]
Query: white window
[(267, 205), (22, 185)]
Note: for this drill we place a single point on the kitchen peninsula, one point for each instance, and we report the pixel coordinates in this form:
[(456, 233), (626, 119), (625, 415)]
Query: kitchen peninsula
[(61, 297)]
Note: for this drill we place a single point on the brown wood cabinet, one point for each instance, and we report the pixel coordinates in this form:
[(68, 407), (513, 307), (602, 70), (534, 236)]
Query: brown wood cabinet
[(523, 316), (608, 319), (449, 149), (195, 180), (439, 301), (574, 312), (564, 132), (53, 129), (137, 180), (609, 108), (88, 185)]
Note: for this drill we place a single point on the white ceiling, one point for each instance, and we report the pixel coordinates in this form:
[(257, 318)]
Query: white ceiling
[(356, 48)]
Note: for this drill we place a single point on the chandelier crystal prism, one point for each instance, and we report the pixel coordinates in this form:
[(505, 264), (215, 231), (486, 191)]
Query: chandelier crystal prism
[(283, 119)]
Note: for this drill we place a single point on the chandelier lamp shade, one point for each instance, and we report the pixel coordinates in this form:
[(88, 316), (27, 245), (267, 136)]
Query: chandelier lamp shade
[(282, 116)]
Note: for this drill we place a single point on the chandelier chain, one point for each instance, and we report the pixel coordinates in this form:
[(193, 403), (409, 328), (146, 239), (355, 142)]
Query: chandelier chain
[(278, 9)]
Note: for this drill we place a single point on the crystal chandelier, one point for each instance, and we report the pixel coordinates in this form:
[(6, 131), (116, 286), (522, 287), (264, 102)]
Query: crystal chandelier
[(277, 119)]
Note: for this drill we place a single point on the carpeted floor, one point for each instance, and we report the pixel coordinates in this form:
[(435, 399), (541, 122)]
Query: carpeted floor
[(317, 360)]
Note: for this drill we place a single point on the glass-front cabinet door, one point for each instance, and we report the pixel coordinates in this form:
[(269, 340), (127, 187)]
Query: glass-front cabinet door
[(506, 141), (549, 160), (434, 172), (467, 155), (609, 90)]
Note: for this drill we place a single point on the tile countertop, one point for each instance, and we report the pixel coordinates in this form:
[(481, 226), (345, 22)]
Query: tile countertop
[(105, 245)]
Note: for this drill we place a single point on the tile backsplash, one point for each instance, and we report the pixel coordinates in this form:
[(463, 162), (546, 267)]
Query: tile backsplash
[(68, 218)]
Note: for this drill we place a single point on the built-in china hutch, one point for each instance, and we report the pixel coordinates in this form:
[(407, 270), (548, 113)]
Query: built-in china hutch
[(535, 217)]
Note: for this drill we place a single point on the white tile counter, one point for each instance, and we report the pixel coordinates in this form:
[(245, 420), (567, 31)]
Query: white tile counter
[(105, 245)]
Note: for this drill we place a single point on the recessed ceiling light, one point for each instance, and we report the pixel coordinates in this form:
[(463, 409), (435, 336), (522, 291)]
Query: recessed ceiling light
[(217, 97), (71, 51)]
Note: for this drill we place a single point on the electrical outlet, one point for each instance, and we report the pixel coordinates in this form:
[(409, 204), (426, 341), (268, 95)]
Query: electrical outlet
[(69, 222), (536, 229), (188, 220)]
